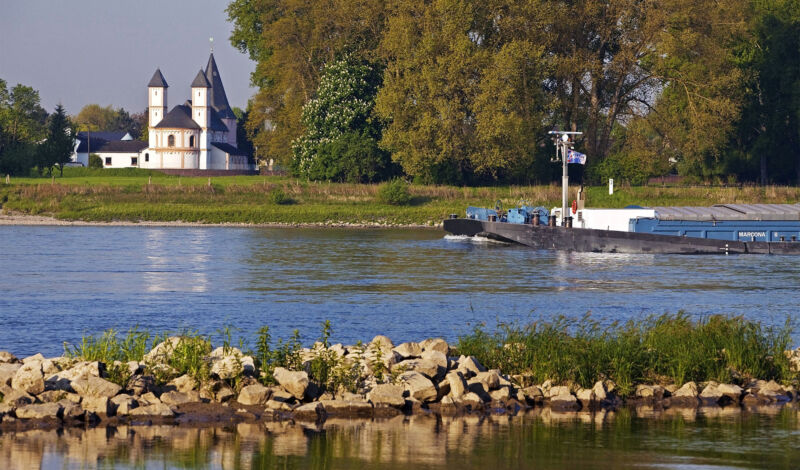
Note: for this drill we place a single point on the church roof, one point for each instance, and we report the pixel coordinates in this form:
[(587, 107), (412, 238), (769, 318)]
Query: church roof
[(216, 122), (228, 148), (158, 80), (179, 118), (113, 146), (217, 97), (200, 81)]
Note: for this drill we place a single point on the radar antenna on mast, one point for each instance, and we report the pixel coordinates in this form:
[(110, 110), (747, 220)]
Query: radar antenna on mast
[(564, 143)]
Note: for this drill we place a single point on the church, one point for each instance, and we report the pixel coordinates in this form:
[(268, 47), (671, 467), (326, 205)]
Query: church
[(199, 134)]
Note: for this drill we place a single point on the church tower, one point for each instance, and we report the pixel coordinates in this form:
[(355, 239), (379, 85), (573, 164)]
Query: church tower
[(201, 114), (219, 101), (157, 98)]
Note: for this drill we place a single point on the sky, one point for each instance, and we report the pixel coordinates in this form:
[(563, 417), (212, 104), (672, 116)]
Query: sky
[(77, 52)]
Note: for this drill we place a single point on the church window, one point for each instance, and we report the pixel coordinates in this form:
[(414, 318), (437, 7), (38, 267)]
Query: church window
[(134, 161), (147, 157), (108, 160), (171, 141), (191, 141)]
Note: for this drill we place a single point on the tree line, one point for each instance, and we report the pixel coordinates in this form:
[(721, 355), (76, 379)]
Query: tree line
[(464, 91)]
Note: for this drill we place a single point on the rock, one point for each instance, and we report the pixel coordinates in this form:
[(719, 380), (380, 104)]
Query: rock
[(711, 395), (255, 394), (70, 410), (293, 382), (180, 398), (162, 351), (564, 402), (600, 392), (148, 399), (734, 392), (231, 363), (276, 405), (29, 378), (17, 398), (159, 409), (471, 400), (686, 396), (224, 394), (49, 367), (424, 366), (435, 344), (184, 383), (457, 384), (649, 392), (38, 357), (489, 378), (40, 411), (347, 408), (387, 395), (135, 367), (279, 394), (439, 359), (52, 396), (7, 357), (382, 342), (587, 397), (557, 390), (141, 384), (7, 372), (469, 366), (91, 386), (124, 404), (308, 412), (501, 394), (98, 405), (418, 386), (408, 350), (62, 380), (479, 388)]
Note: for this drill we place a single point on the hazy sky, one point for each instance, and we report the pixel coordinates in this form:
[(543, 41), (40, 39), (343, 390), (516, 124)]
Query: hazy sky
[(104, 51)]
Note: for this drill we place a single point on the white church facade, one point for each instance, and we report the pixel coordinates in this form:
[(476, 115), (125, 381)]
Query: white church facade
[(199, 134)]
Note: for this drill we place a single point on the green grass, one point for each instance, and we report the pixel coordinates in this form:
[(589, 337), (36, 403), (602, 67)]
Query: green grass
[(144, 195), (661, 349)]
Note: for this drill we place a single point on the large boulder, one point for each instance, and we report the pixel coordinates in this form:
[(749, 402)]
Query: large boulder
[(255, 394), (292, 381), (124, 404), (347, 408), (600, 391), (70, 410), (564, 402), (424, 366), (16, 398), (158, 409), (382, 342), (734, 392), (38, 357), (62, 380), (387, 395), (98, 405), (92, 386), (179, 398), (491, 379), (457, 384), (418, 386), (7, 357), (309, 412), (435, 344), (711, 394), (231, 362), (7, 372), (408, 350), (39, 411), (184, 383), (162, 352), (469, 366), (29, 378)]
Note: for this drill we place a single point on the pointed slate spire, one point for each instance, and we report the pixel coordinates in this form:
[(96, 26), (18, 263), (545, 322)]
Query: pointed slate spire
[(158, 80), (217, 96), (200, 81)]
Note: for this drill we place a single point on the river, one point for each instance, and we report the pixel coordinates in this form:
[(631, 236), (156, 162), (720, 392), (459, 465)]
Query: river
[(59, 283)]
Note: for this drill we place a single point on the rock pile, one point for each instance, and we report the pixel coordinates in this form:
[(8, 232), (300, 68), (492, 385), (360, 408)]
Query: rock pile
[(392, 380)]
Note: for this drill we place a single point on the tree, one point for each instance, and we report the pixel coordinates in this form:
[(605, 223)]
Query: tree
[(243, 141), (94, 117), (342, 133), (22, 127), (57, 149)]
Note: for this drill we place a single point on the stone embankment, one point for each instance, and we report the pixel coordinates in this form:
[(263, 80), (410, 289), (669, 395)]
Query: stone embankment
[(389, 380)]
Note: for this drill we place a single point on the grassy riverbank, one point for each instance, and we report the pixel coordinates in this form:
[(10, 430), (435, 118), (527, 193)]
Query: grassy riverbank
[(142, 195), (667, 349)]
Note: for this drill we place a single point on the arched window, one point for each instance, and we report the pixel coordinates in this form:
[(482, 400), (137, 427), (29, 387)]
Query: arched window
[(171, 141), (191, 141)]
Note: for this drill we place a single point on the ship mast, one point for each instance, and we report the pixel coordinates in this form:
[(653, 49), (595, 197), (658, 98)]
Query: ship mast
[(564, 143)]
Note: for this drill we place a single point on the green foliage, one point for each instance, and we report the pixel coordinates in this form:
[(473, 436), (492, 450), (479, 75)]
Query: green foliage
[(286, 353), (95, 161), (22, 128), (278, 196), (96, 118), (57, 149), (112, 351), (394, 192), (340, 141), (666, 349)]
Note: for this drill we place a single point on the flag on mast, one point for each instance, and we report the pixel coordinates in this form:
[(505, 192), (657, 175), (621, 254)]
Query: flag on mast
[(576, 157)]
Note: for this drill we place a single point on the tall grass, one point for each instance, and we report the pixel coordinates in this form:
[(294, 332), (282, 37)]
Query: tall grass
[(659, 349)]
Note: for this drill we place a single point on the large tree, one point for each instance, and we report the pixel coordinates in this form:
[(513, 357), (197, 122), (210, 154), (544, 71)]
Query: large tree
[(22, 127), (94, 117), (57, 149)]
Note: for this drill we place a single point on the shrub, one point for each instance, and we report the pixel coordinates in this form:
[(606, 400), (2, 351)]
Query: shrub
[(394, 192), (277, 196), (95, 161)]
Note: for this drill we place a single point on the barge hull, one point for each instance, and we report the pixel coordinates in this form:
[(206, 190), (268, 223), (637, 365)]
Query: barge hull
[(609, 241)]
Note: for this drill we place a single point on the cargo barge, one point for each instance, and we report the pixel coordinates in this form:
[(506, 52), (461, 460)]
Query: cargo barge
[(719, 229)]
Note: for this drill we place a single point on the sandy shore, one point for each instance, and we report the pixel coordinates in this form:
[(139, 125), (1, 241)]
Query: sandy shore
[(16, 218)]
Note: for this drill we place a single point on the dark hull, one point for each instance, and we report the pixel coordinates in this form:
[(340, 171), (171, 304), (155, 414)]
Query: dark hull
[(609, 241)]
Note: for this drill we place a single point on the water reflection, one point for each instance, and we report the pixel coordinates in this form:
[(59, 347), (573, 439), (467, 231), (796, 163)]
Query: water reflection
[(722, 438), (181, 267)]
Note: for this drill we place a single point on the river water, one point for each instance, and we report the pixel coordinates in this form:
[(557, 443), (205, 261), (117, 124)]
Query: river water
[(714, 439), (59, 283)]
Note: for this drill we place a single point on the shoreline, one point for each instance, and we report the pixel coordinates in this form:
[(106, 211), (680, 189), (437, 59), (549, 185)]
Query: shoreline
[(21, 219)]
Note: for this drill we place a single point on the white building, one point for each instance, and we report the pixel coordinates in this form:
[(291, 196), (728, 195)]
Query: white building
[(199, 134), (115, 149)]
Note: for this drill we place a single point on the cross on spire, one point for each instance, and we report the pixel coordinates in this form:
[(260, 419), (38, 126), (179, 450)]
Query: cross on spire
[(211, 40)]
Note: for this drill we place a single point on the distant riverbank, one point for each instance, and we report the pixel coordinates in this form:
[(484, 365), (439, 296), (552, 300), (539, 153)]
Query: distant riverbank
[(138, 196)]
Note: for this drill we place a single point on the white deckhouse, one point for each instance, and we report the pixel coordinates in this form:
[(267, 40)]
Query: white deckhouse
[(199, 134)]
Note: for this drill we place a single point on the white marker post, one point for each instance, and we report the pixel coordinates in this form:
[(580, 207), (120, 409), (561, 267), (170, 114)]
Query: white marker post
[(611, 186)]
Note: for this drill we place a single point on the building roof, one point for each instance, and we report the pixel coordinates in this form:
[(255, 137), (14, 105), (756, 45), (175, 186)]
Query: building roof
[(179, 118), (158, 80), (216, 123), (216, 96), (200, 81), (228, 148), (113, 146), (106, 135)]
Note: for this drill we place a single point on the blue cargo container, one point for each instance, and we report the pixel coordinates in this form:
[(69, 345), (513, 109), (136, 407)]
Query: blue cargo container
[(730, 222)]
